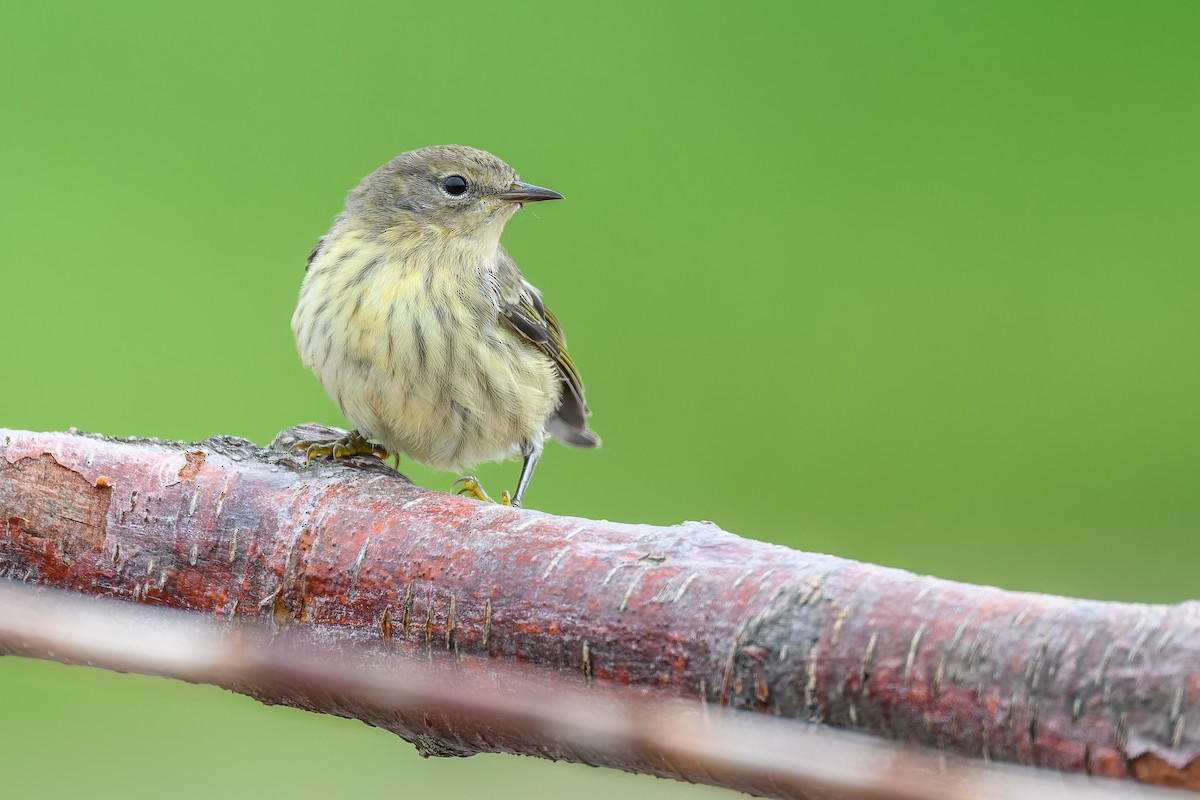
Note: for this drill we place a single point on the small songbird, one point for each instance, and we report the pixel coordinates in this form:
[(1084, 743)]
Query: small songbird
[(424, 332)]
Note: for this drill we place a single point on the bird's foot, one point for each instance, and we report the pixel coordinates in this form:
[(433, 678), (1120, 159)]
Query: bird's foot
[(352, 444), (472, 488)]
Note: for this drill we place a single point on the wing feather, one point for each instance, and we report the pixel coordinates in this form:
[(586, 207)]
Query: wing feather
[(522, 308)]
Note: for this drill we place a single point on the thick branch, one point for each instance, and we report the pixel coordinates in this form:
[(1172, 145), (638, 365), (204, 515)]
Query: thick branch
[(357, 553)]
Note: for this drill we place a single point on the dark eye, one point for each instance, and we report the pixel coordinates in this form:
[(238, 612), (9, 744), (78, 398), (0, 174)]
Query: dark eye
[(455, 185)]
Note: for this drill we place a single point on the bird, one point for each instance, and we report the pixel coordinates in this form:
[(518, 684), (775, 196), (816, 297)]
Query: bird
[(424, 332)]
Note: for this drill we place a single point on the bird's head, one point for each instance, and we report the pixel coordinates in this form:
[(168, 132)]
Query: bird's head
[(444, 191)]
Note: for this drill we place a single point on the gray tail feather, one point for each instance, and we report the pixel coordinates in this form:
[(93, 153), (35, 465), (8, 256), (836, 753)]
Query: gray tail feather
[(572, 435)]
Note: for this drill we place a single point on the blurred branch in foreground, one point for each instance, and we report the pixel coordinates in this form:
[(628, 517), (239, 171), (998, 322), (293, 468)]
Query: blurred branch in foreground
[(354, 564), (615, 726)]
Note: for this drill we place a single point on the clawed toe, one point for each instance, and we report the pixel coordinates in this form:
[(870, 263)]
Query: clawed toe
[(350, 445), (470, 487)]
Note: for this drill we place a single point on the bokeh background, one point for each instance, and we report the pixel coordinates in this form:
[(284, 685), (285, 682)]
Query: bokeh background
[(914, 283)]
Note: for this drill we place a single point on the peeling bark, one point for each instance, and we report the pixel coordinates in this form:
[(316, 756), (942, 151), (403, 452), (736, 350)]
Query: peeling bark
[(358, 553)]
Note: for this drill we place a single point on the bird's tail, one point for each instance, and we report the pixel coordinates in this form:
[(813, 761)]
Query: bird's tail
[(573, 435)]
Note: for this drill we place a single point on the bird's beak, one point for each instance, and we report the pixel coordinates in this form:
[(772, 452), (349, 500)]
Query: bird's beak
[(521, 192)]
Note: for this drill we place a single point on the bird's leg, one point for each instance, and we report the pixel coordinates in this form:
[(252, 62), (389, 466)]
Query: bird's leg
[(532, 453), (472, 488), (352, 444)]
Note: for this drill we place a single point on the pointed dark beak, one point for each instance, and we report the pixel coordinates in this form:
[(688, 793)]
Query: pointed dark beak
[(522, 192)]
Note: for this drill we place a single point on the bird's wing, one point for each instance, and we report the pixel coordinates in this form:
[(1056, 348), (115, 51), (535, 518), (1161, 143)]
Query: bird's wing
[(522, 308)]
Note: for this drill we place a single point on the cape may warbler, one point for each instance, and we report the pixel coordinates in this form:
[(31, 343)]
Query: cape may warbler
[(424, 332)]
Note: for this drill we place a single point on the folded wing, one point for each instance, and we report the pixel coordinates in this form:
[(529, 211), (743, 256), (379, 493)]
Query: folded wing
[(522, 308)]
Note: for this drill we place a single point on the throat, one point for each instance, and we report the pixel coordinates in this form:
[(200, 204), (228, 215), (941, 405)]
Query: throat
[(432, 245)]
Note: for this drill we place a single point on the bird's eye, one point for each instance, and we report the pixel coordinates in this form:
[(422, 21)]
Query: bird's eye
[(455, 185)]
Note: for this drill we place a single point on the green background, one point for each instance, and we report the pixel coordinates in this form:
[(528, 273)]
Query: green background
[(914, 283)]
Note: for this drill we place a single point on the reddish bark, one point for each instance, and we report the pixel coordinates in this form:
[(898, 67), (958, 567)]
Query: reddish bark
[(688, 611)]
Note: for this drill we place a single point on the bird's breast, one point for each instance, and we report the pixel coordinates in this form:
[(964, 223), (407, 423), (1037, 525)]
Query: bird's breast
[(414, 352)]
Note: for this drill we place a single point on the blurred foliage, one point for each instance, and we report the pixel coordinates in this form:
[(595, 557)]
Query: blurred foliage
[(907, 282)]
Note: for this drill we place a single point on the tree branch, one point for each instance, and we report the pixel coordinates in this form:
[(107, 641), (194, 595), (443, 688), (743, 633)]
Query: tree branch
[(357, 555)]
